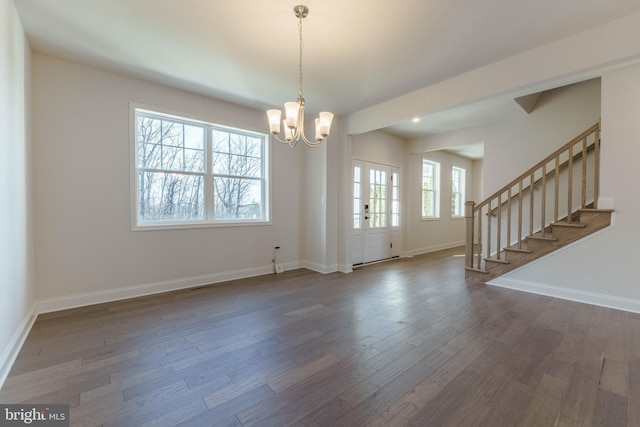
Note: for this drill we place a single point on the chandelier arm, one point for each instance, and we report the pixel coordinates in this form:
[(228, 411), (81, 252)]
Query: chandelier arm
[(299, 131), (284, 141)]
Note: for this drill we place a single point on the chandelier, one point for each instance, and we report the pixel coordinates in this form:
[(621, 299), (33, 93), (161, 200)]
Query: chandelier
[(294, 111)]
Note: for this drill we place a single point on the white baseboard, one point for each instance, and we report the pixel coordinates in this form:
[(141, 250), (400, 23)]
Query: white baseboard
[(609, 301), (90, 298), (10, 353), (434, 248), (320, 268), (344, 268)]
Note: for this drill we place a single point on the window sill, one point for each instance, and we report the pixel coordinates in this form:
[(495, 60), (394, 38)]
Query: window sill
[(182, 226)]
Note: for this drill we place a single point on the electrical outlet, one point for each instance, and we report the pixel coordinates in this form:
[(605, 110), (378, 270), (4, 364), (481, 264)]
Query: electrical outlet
[(279, 268)]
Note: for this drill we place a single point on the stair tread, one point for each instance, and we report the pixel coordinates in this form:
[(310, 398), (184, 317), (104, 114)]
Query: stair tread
[(501, 261), (568, 224), (477, 270), (524, 251), (595, 210)]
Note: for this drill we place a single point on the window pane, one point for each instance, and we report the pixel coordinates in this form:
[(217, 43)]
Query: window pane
[(149, 142), (237, 198), (236, 155), (150, 156), (193, 160), (457, 191), (428, 204), (194, 137), (170, 197), (172, 158), (161, 143)]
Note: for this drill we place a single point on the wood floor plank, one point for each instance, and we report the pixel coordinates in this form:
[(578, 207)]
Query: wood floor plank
[(403, 343), (366, 410), (610, 410), (614, 377), (634, 392), (315, 392), (543, 409), (405, 408), (439, 409)]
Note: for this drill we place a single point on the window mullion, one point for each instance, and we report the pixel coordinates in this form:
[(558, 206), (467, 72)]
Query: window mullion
[(208, 181)]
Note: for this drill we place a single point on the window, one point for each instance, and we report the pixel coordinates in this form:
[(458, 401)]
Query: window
[(191, 173), (430, 189), (395, 200), (377, 198), (357, 197), (457, 191)]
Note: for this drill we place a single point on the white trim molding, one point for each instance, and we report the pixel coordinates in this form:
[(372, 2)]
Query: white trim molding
[(320, 268), (434, 248), (90, 298), (609, 301), (10, 353)]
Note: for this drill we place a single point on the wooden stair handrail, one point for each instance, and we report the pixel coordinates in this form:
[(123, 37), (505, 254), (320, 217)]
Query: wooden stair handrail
[(562, 166), (538, 165)]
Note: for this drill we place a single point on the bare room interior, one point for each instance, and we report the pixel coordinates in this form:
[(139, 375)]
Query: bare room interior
[(438, 228)]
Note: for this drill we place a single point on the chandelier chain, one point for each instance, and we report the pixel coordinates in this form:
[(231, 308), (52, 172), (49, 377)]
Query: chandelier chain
[(301, 45)]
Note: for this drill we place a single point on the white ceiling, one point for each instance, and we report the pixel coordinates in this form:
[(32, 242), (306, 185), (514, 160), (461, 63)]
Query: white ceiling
[(358, 53)]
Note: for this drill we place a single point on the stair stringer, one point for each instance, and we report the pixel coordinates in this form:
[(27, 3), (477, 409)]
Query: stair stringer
[(558, 236)]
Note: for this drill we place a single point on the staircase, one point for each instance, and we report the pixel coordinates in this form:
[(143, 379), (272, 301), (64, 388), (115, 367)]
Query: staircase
[(552, 204)]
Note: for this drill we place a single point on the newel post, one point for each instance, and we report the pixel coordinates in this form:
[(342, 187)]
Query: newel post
[(468, 214)]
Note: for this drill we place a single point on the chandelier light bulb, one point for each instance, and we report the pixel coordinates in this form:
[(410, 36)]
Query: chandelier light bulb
[(274, 121)]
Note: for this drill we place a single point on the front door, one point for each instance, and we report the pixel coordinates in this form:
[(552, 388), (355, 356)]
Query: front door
[(375, 212)]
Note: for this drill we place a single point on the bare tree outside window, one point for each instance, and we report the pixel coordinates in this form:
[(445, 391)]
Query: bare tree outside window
[(237, 173), (170, 170), (174, 179)]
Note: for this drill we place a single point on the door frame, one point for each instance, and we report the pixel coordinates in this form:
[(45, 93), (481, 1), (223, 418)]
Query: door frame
[(359, 236)]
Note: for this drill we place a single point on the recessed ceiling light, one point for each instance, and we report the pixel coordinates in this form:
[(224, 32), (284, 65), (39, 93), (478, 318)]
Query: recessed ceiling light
[(416, 120)]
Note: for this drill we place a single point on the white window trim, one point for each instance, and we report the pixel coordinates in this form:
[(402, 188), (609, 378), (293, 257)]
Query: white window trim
[(207, 223)]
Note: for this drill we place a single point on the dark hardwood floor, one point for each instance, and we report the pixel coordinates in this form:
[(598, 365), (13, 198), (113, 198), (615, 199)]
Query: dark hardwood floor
[(401, 343)]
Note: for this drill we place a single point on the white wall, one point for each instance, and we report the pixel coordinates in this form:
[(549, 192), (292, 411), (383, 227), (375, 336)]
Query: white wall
[(379, 147), (602, 269), (517, 143), (82, 213), (17, 284), (477, 193), (321, 195), (315, 206)]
